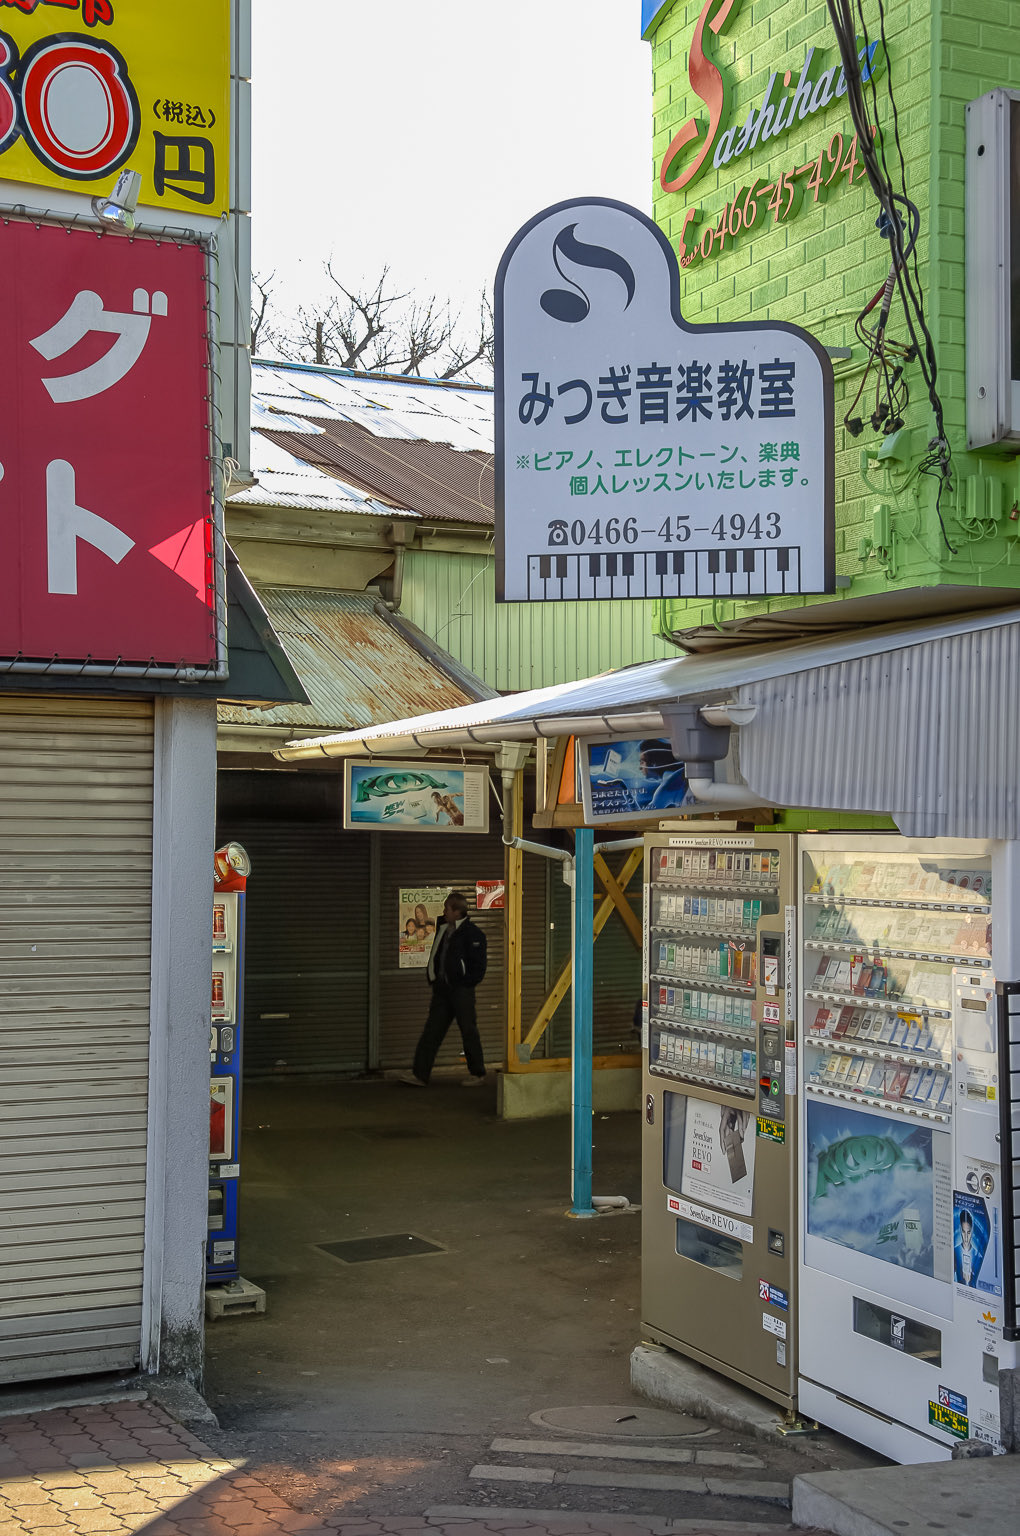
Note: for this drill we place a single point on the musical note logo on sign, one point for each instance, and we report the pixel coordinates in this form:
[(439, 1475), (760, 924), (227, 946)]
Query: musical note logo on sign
[(638, 456)]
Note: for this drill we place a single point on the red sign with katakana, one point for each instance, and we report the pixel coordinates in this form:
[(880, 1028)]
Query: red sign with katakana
[(106, 489)]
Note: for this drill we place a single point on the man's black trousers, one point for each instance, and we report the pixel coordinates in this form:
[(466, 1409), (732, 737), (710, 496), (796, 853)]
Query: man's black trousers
[(449, 1003)]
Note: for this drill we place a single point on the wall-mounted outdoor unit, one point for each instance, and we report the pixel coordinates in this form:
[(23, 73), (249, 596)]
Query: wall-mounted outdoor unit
[(993, 271)]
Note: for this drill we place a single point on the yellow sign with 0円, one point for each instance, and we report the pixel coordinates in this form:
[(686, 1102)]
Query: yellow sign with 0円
[(89, 88)]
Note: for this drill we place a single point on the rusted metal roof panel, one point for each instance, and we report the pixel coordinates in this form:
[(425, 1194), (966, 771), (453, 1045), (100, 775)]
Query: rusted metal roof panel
[(283, 480), (417, 444), (358, 663), (438, 482)]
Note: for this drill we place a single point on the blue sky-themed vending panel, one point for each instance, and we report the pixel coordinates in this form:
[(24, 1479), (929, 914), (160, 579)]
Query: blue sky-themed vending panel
[(881, 1187), (631, 779)]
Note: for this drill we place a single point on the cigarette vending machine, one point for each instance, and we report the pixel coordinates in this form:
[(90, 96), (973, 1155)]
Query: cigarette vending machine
[(901, 1283), (718, 1261), (231, 867)]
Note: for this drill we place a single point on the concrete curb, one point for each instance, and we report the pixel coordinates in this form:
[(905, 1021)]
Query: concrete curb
[(951, 1497), (672, 1381)]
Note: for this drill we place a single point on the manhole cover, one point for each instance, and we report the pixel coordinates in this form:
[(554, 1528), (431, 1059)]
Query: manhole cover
[(396, 1245), (621, 1423)]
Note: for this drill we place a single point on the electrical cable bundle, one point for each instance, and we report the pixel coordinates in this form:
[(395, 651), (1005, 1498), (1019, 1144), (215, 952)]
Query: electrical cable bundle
[(899, 216)]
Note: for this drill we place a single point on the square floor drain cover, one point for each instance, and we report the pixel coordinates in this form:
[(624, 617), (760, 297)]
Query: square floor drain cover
[(389, 1132), (397, 1245)]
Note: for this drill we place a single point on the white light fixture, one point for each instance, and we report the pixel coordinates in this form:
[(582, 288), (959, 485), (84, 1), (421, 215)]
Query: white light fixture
[(118, 210)]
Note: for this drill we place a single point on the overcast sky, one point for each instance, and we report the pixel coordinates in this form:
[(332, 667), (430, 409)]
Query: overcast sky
[(424, 133)]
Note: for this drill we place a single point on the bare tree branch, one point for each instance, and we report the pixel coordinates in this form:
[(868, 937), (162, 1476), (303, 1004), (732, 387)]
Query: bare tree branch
[(261, 291), (379, 329)]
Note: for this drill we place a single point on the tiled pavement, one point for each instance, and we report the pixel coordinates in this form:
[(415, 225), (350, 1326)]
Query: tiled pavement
[(128, 1467)]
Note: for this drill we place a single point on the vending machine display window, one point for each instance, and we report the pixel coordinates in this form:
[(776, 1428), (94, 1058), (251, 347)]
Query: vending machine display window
[(880, 940), (707, 905)]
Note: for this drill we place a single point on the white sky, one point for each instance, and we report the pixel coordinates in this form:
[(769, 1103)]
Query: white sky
[(424, 133)]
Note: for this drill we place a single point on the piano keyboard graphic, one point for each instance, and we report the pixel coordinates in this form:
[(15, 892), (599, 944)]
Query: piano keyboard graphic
[(722, 572)]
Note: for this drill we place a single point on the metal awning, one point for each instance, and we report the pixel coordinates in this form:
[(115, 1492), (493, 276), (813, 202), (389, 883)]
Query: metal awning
[(919, 721)]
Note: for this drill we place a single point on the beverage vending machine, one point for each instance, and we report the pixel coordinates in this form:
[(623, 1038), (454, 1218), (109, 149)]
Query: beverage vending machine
[(901, 1278), (231, 867), (718, 1264)]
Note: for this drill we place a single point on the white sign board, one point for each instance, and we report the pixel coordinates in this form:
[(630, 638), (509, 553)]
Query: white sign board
[(638, 456)]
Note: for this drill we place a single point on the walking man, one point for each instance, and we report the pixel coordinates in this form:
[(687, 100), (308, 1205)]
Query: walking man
[(456, 966)]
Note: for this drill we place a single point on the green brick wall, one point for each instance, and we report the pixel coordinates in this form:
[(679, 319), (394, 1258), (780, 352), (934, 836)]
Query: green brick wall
[(818, 266)]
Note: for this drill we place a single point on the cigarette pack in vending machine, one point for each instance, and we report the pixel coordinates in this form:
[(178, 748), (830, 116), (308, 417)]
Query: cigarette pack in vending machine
[(230, 871), (901, 1277), (718, 1256)]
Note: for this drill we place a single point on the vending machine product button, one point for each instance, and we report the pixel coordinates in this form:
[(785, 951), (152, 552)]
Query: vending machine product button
[(226, 1039)]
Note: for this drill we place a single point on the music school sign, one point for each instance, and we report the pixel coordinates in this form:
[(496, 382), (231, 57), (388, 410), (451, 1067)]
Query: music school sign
[(638, 456)]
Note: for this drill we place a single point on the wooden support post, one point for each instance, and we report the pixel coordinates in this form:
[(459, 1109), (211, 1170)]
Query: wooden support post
[(615, 889)]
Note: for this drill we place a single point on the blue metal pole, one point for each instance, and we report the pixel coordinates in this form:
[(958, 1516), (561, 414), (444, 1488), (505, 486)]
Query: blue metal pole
[(582, 991)]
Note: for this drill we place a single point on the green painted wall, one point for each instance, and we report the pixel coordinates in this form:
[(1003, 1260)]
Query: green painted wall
[(818, 266), (452, 597)]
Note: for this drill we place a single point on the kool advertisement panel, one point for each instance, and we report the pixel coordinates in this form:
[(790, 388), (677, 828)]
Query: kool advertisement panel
[(106, 484), (89, 87), (416, 797), (880, 1186), (631, 780), (639, 456)]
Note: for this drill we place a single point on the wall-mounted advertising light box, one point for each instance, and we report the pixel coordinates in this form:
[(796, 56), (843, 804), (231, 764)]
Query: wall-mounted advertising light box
[(416, 796)]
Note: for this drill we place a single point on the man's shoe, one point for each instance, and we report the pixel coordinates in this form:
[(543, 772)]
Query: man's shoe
[(472, 1081), (411, 1080)]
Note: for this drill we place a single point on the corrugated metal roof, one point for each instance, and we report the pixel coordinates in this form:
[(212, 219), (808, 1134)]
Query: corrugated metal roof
[(432, 479), (284, 480), (419, 445), (357, 662), (432, 410), (917, 721)]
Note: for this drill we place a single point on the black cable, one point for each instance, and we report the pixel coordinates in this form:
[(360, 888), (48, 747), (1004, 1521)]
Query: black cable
[(938, 460)]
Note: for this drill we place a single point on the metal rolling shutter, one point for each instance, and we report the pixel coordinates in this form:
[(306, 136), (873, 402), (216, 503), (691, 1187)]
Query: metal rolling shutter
[(536, 936), (455, 861), (306, 926), (76, 792)]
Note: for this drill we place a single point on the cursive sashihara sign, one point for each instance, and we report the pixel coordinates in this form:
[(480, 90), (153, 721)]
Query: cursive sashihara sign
[(793, 95)]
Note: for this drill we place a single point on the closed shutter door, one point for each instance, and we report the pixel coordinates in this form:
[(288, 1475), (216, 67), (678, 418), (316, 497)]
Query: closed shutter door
[(454, 861), (75, 919), (306, 923), (536, 936)]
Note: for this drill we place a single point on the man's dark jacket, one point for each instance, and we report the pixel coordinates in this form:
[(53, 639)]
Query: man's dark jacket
[(462, 960)]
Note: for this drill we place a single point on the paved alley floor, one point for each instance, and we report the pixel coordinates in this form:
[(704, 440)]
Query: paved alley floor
[(127, 1467), (475, 1380)]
